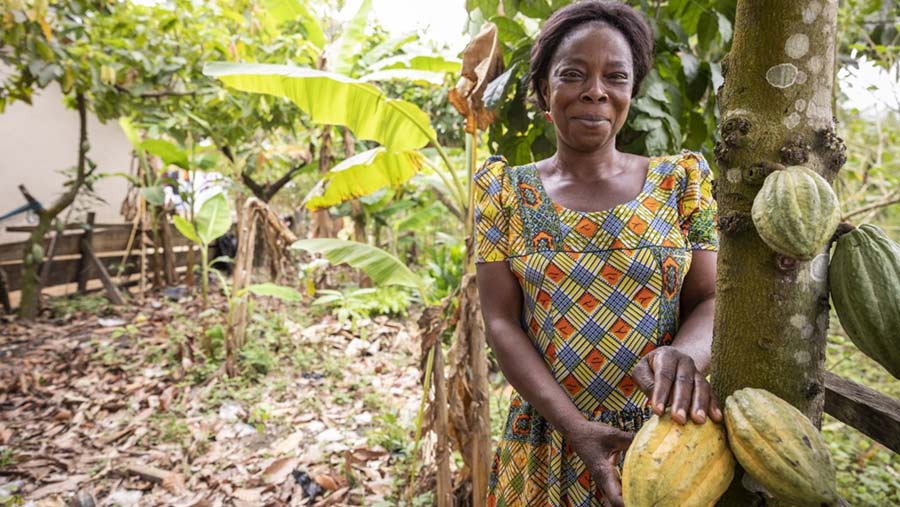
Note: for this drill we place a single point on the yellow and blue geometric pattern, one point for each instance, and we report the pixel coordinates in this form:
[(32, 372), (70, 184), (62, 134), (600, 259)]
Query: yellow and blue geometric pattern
[(601, 290)]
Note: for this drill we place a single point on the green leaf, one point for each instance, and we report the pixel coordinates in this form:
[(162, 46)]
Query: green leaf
[(332, 99), (293, 10), (168, 152), (382, 267), (155, 195), (274, 290), (432, 63), (537, 9), (410, 75), (213, 218), (388, 47), (707, 30), (508, 31), (186, 229), (130, 132), (650, 107), (344, 52), (365, 173), (496, 89)]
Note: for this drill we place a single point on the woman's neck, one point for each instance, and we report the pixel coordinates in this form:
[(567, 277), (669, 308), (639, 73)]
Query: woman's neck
[(600, 164)]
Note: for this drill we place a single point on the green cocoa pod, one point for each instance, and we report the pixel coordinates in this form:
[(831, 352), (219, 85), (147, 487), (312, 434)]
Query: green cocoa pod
[(796, 212), (865, 285)]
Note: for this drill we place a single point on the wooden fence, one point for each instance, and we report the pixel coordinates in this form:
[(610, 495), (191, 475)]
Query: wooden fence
[(105, 252)]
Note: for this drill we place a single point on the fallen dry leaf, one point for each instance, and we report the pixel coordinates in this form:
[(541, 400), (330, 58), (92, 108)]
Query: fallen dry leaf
[(326, 481), (289, 444), (279, 470), (69, 484)]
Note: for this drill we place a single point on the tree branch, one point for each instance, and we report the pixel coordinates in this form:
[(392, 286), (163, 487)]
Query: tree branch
[(888, 201), (265, 192), (451, 207), (156, 94), (35, 204), (274, 187)]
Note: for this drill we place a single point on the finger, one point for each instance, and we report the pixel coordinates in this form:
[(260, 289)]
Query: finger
[(663, 376), (715, 411), (642, 374), (700, 402), (611, 484), (682, 389), (617, 439)]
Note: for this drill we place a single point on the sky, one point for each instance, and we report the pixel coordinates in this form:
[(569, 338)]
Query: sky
[(442, 21)]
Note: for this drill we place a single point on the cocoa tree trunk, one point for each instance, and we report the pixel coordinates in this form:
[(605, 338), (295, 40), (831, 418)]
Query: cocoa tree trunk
[(772, 311), (31, 287)]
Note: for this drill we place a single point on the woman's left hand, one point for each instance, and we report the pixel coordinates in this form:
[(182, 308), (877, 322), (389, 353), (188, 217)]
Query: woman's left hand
[(669, 377)]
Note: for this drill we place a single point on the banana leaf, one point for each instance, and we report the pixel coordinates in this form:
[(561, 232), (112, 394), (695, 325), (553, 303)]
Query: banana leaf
[(382, 267), (333, 99), (363, 174)]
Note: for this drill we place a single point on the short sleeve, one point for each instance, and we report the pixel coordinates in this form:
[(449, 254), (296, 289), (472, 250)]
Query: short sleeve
[(491, 218), (697, 207)]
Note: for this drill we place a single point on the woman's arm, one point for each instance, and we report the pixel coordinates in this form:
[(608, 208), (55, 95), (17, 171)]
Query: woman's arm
[(675, 375), (597, 444)]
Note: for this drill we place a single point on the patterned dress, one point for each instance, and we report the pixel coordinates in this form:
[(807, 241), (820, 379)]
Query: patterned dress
[(600, 291)]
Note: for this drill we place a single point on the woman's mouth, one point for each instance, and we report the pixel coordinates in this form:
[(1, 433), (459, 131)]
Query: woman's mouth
[(592, 121)]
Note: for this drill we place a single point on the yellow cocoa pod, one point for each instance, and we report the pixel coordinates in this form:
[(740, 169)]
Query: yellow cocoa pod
[(675, 465), (780, 449)]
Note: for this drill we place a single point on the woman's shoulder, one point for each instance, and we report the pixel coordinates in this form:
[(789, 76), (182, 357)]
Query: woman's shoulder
[(684, 166)]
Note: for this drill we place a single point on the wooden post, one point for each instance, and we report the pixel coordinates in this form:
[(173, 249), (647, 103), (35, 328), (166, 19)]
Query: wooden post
[(442, 429), (4, 293), (84, 266), (112, 292), (168, 245)]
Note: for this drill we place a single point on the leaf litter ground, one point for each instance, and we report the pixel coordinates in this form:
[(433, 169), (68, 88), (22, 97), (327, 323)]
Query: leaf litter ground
[(123, 407)]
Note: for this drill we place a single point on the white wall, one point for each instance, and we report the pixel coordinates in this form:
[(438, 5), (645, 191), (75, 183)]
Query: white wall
[(37, 141)]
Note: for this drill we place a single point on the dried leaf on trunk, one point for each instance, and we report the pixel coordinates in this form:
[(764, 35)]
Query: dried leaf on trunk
[(482, 62)]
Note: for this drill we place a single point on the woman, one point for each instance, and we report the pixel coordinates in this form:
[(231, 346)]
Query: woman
[(596, 270)]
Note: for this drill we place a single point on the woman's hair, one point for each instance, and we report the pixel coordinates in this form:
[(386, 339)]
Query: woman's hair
[(615, 14)]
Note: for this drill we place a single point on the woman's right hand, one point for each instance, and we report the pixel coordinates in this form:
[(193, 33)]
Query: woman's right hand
[(600, 446)]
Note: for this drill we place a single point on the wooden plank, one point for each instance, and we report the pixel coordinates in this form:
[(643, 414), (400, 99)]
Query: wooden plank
[(66, 270), (112, 292), (105, 240), (69, 227), (865, 409)]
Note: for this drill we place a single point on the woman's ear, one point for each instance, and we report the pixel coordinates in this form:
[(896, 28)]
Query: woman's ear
[(544, 92)]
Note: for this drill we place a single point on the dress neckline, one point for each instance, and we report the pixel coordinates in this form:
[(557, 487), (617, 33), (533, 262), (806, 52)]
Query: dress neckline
[(652, 164)]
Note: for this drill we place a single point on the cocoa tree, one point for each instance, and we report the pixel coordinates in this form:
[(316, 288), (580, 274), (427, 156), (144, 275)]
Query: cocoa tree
[(776, 110)]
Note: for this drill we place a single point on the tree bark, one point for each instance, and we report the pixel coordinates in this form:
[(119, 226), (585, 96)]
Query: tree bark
[(772, 311), (31, 288), (323, 224)]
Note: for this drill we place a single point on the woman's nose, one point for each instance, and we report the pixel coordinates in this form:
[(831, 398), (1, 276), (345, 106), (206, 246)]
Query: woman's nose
[(594, 91)]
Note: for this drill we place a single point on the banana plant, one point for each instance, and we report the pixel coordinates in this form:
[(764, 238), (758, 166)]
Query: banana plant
[(401, 127), (343, 96)]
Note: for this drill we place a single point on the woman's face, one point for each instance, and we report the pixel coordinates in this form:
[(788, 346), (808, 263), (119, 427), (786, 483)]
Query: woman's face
[(588, 89)]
